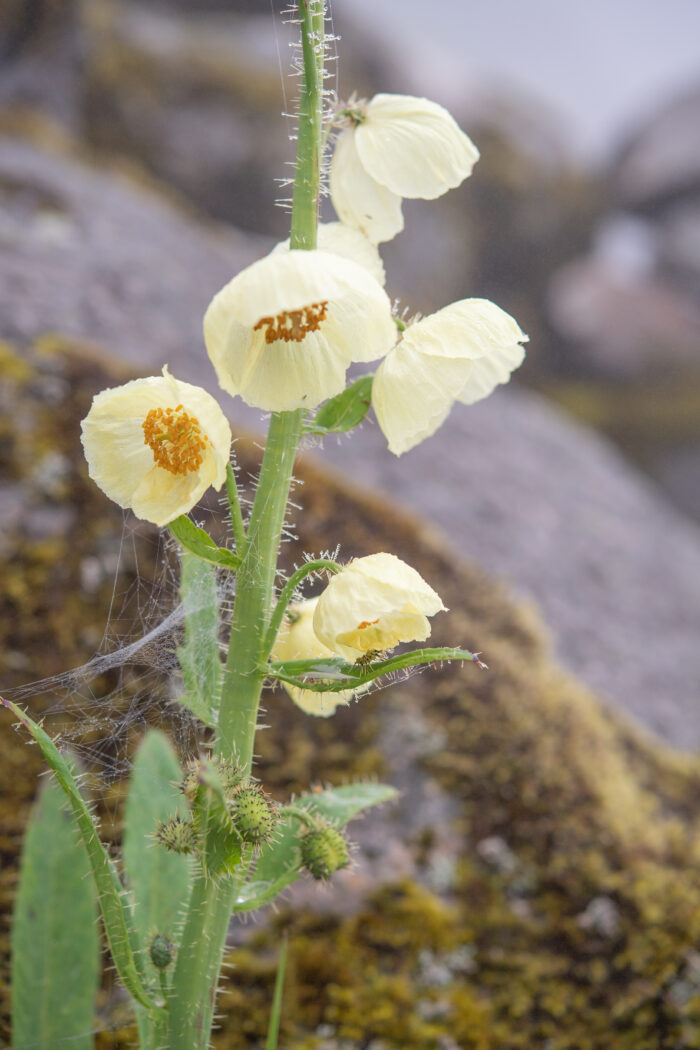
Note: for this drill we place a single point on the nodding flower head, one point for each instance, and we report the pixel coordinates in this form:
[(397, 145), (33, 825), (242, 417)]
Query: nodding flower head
[(282, 333)]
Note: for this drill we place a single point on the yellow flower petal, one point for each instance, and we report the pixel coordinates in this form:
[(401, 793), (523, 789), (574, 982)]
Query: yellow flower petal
[(282, 333), (374, 604), (297, 641), (350, 243), (188, 433), (359, 200), (459, 353), (413, 147), (413, 393)]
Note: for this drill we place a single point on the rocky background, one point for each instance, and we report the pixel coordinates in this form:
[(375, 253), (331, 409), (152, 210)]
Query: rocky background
[(139, 148)]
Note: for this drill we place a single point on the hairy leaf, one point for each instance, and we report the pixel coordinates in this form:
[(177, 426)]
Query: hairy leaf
[(344, 411), (199, 656), (279, 863), (116, 915), (55, 937)]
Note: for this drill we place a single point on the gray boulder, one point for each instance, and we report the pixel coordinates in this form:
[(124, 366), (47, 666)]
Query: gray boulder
[(513, 485)]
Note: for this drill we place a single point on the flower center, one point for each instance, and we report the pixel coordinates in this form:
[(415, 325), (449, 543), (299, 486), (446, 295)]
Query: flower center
[(367, 623), (293, 325), (176, 439)]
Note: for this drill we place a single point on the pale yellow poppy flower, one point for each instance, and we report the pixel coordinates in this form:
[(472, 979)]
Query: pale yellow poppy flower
[(461, 353), (282, 333), (372, 605), (339, 239), (155, 445), (400, 146), (298, 641)]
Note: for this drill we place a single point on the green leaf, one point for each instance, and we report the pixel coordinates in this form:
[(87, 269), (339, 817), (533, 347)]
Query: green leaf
[(116, 915), (55, 937), (219, 843), (159, 881), (279, 863), (273, 1028), (331, 674), (199, 656), (344, 411), (200, 543)]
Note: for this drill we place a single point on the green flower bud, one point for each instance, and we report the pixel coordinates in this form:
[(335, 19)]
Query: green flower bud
[(177, 835), (253, 814), (161, 951), (324, 851), (230, 775)]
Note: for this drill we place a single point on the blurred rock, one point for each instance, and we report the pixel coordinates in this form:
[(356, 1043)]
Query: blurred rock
[(624, 326), (661, 162), (514, 486)]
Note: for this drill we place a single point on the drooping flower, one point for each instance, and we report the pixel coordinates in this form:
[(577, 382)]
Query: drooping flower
[(400, 146), (282, 333), (373, 604), (350, 243), (298, 641), (460, 353), (155, 445)]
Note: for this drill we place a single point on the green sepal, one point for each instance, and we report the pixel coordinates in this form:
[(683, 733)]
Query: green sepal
[(55, 938), (200, 543), (344, 411), (333, 674), (199, 656), (220, 845), (116, 913), (279, 863)]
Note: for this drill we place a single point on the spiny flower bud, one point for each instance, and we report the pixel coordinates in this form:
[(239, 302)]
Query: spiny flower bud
[(253, 814), (161, 951), (177, 835), (230, 775), (324, 851)]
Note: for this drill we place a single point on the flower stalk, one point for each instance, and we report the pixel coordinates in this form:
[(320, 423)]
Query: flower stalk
[(211, 904)]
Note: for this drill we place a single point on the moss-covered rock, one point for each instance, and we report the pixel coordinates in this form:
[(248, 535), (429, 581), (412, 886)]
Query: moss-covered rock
[(545, 891)]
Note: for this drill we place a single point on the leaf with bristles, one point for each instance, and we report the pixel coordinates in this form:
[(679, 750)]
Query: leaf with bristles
[(279, 863), (116, 915)]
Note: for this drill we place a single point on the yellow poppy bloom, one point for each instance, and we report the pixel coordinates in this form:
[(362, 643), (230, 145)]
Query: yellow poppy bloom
[(460, 353), (373, 604), (282, 333), (155, 445), (297, 641)]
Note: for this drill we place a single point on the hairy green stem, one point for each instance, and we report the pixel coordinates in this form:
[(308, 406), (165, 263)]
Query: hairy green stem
[(307, 181), (287, 593), (234, 506), (198, 965)]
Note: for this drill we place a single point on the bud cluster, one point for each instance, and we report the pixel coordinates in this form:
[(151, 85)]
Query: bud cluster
[(243, 809)]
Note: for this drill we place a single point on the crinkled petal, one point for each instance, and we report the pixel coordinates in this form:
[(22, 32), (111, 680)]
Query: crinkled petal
[(359, 200), (489, 371), (413, 147), (413, 393), (350, 243), (297, 641), (286, 375), (374, 603), (121, 463)]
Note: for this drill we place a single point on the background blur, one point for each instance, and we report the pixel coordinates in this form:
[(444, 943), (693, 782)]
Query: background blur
[(537, 884), (582, 219)]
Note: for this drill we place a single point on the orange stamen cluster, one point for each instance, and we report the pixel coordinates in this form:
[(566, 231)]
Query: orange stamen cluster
[(176, 439), (367, 623), (293, 325)]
